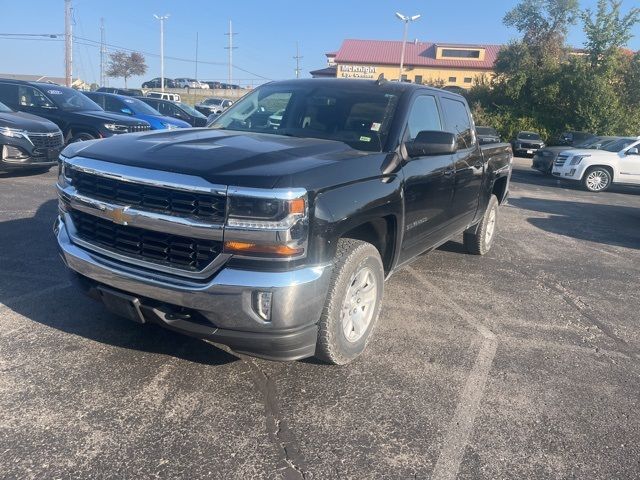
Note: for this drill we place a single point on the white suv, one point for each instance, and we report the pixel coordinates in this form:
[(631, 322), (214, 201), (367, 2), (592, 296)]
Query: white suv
[(190, 83), (618, 162)]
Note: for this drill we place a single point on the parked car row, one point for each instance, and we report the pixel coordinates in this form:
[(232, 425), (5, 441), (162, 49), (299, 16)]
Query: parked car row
[(187, 83), (38, 119)]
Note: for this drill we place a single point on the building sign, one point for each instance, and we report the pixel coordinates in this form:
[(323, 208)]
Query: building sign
[(357, 71)]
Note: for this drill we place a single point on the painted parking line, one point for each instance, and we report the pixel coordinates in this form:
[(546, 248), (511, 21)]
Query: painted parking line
[(461, 425)]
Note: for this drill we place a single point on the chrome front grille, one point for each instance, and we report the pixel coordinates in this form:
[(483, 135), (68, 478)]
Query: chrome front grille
[(208, 206), (170, 250), (154, 220), (561, 160), (138, 128), (46, 140)]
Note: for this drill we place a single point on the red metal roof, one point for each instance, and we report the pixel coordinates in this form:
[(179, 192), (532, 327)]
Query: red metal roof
[(418, 54)]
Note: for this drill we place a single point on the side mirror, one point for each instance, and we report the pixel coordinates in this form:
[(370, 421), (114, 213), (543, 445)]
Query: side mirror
[(126, 111), (633, 151), (431, 142)]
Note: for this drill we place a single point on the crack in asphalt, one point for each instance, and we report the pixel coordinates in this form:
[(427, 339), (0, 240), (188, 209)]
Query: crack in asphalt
[(291, 459)]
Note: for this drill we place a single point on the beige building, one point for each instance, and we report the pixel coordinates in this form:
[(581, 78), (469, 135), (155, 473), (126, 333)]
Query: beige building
[(451, 65)]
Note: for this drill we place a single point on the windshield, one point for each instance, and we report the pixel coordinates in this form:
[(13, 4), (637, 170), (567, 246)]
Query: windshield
[(190, 110), (619, 145), (595, 143), (359, 118), (69, 99), (487, 131), (4, 108), (139, 107), (528, 136)]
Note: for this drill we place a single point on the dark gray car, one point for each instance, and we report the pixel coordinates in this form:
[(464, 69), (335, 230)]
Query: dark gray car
[(27, 141)]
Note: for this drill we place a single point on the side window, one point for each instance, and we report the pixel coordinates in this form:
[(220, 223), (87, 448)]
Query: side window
[(458, 122), (99, 99), (424, 115), (112, 104), (30, 97), (9, 94)]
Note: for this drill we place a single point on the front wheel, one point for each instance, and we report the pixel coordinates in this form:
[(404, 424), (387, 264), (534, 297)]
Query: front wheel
[(478, 239), (353, 304), (81, 137), (596, 179)]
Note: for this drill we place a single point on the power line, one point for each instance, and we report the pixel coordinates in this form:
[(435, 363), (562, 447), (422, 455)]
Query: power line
[(93, 43)]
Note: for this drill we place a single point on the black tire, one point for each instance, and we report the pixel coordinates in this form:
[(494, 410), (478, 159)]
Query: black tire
[(352, 257), (589, 183), (81, 137), (479, 238)]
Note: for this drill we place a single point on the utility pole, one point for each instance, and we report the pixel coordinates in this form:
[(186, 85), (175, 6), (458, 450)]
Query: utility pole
[(297, 58), (231, 48), (68, 43), (162, 19), (196, 56), (103, 51)]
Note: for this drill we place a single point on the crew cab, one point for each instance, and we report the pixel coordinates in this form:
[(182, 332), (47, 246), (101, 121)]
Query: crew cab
[(277, 241), (78, 117), (596, 170)]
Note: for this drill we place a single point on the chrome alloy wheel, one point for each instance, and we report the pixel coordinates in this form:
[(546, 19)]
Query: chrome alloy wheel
[(597, 180), (359, 304), (491, 227)]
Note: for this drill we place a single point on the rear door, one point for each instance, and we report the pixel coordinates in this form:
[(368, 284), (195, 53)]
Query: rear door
[(468, 161), (428, 184)]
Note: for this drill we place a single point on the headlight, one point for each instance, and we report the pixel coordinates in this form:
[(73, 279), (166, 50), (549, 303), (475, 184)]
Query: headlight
[(267, 223), (577, 159), (13, 132), (114, 127), (170, 126)]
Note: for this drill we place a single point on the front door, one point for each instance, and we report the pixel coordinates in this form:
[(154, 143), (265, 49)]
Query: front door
[(630, 166), (32, 100), (428, 185)]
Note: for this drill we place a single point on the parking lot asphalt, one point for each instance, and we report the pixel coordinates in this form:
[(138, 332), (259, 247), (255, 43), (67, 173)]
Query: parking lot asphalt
[(524, 363)]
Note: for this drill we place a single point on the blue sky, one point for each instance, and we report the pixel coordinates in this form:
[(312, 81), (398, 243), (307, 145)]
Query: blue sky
[(267, 32)]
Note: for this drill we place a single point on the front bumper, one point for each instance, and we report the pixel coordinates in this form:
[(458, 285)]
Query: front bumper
[(221, 308), (569, 172), (29, 157)]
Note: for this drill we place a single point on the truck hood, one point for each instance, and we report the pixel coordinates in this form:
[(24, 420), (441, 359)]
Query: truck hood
[(592, 153), (219, 156), (26, 121)]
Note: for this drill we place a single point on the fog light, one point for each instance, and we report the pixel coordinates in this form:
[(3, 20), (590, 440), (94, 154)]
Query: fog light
[(13, 153), (262, 305)]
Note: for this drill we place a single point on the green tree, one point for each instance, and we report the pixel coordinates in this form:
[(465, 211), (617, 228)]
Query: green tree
[(125, 65)]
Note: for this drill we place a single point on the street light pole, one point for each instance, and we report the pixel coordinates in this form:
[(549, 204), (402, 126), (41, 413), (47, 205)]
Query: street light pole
[(406, 19), (162, 19)]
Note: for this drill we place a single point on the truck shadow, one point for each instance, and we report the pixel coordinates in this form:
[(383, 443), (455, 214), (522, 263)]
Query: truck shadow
[(30, 263), (601, 223)]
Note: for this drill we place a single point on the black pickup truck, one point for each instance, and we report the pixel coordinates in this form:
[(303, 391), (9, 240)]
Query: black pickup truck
[(276, 241)]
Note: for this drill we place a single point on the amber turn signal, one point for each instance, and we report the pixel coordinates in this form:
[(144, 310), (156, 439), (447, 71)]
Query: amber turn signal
[(297, 205), (261, 249)]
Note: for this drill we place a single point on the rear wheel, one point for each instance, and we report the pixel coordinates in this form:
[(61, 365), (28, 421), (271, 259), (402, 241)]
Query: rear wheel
[(479, 238), (353, 304), (596, 179)]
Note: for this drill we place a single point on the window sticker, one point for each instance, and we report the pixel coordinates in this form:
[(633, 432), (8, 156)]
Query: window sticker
[(54, 92), (365, 139), (375, 127)]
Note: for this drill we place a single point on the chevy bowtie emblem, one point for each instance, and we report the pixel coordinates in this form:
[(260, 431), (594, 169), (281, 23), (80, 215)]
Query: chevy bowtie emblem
[(119, 216)]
